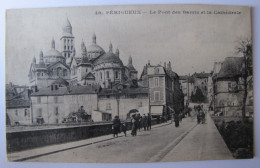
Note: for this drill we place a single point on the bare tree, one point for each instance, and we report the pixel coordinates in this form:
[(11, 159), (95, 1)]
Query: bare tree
[(245, 48)]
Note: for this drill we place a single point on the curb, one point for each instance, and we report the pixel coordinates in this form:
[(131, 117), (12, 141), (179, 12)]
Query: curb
[(159, 156)]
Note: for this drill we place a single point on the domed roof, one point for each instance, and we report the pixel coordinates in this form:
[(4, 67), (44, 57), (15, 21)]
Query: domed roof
[(53, 52), (94, 48), (109, 58)]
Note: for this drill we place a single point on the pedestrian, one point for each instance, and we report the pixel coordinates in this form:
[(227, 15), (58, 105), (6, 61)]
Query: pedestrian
[(124, 128), (140, 123), (116, 125), (149, 122), (176, 120), (145, 122), (198, 117), (134, 125)]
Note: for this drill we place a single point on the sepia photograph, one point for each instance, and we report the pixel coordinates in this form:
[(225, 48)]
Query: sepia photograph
[(129, 84)]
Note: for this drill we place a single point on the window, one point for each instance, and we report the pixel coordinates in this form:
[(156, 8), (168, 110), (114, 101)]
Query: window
[(25, 112), (65, 72), (100, 75), (65, 49), (16, 112), (108, 106), (156, 82), (55, 99), (107, 74), (39, 100), (56, 111), (116, 74), (157, 95), (39, 112)]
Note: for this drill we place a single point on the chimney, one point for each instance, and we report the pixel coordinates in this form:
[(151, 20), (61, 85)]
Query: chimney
[(149, 62)]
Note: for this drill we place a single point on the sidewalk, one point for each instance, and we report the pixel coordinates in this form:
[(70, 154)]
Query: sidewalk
[(41, 151), (204, 142)]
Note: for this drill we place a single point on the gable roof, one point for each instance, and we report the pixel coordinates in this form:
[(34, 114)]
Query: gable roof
[(72, 90), (17, 103), (51, 65), (60, 81), (232, 67), (88, 76)]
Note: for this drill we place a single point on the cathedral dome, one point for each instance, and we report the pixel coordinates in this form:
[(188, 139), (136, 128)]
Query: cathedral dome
[(94, 50), (53, 55), (109, 58)]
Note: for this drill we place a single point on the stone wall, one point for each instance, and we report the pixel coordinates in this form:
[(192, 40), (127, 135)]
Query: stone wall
[(24, 140)]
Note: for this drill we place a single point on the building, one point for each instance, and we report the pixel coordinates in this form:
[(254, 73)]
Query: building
[(18, 108), (187, 87), (165, 95), (53, 104), (91, 66), (120, 100), (229, 89)]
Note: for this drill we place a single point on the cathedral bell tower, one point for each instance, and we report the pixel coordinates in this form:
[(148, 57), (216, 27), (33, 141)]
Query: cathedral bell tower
[(67, 40)]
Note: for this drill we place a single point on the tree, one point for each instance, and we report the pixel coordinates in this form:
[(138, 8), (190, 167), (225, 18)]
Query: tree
[(245, 48)]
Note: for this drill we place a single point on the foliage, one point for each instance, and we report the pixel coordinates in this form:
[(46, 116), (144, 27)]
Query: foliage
[(239, 138), (198, 97)]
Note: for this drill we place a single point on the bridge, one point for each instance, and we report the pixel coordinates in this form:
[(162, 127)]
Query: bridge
[(164, 143)]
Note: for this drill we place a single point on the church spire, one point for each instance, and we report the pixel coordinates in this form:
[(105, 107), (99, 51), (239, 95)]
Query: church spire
[(53, 44), (110, 47), (94, 39)]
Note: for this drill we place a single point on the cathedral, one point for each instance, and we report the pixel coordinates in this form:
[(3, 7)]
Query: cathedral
[(91, 66)]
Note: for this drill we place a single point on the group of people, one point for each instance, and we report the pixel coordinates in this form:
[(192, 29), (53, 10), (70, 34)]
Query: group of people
[(200, 114), (138, 122)]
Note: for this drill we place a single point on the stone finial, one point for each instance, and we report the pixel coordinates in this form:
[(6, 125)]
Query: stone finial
[(41, 57), (94, 38), (117, 52), (110, 47), (53, 44), (130, 61)]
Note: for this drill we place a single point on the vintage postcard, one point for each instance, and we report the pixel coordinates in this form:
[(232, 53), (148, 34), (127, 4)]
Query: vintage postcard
[(129, 84)]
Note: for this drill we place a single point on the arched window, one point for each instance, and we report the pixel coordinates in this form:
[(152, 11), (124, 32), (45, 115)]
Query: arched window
[(100, 75), (59, 71), (65, 73)]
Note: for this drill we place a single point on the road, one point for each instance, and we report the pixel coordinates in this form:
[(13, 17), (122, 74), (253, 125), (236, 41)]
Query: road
[(147, 146)]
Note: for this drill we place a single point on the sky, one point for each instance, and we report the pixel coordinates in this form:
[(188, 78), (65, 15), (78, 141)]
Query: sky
[(192, 42)]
